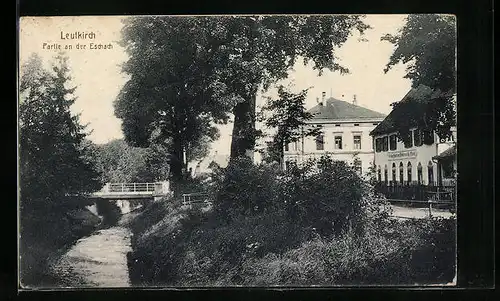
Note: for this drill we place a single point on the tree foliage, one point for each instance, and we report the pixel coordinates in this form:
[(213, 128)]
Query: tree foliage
[(55, 157), (122, 163), (260, 50), (427, 45), (288, 117), (188, 72), (168, 99)]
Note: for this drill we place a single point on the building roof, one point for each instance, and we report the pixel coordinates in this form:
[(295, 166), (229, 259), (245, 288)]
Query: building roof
[(341, 110), (450, 152), (418, 94)]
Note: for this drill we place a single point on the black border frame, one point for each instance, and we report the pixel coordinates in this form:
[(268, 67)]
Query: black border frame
[(475, 152)]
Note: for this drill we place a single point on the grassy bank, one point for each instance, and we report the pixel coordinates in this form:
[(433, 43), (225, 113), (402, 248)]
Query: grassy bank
[(191, 249), (309, 226)]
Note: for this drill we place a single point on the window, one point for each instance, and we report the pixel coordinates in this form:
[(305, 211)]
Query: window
[(295, 146), (358, 167), (320, 143), (385, 144), (428, 137), (417, 137), (401, 173), (286, 147), (378, 145), (419, 174), (447, 167), (409, 171), (430, 173), (393, 179), (287, 165), (357, 142), (356, 124), (392, 142), (379, 175), (338, 142), (337, 125), (409, 140), (375, 124), (386, 176)]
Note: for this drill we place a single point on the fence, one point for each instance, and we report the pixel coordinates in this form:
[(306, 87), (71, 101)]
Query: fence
[(417, 192), (133, 187), (430, 204), (428, 196), (195, 198)]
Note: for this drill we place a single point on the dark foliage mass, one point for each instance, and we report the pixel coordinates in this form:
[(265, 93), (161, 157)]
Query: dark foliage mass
[(56, 162), (315, 225), (427, 45), (187, 73)]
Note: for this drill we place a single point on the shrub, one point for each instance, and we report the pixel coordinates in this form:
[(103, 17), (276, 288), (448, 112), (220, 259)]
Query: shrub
[(410, 252), (289, 238), (244, 189), (324, 194)]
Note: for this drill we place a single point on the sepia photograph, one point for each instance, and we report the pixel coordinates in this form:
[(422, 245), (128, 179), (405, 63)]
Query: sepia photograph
[(201, 151)]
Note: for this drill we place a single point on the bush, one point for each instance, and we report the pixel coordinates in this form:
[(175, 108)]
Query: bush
[(410, 252), (244, 189), (45, 234), (275, 228), (327, 195)]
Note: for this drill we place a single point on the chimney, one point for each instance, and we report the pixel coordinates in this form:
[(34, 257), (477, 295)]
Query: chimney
[(354, 100), (323, 95)]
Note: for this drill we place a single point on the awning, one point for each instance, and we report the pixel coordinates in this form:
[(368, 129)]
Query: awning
[(451, 152)]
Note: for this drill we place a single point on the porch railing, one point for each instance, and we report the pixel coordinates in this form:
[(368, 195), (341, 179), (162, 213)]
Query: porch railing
[(415, 192)]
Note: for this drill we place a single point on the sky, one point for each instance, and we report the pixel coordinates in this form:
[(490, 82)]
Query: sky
[(97, 72)]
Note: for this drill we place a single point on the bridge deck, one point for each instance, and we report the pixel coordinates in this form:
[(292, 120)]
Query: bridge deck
[(117, 191)]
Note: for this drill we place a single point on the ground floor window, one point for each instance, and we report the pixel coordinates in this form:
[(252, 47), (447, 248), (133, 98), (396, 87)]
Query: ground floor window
[(393, 179), (358, 167), (379, 174), (430, 173), (386, 176), (409, 171), (419, 173), (447, 168), (401, 173)]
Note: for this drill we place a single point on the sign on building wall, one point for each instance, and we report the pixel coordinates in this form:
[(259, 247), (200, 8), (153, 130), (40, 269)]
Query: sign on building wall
[(409, 154)]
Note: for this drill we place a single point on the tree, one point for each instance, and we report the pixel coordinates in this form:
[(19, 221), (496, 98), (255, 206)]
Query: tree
[(260, 50), (169, 98), (289, 117), (187, 72), (121, 163), (55, 158), (427, 44)]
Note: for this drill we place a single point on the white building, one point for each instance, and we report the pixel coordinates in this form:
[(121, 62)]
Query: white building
[(207, 165), (345, 134), (417, 161)]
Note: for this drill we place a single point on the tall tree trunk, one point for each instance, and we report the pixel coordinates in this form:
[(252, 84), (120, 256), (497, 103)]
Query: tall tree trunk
[(243, 139), (176, 163)]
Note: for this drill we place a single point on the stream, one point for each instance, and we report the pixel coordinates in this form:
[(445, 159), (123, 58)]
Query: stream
[(99, 260)]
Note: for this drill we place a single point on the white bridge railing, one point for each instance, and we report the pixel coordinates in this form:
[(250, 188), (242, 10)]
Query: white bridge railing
[(136, 188)]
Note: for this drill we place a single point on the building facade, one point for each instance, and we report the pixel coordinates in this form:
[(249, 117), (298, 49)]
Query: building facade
[(417, 161), (345, 134), (413, 163)]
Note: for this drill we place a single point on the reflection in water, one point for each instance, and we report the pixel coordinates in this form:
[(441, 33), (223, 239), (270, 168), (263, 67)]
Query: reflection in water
[(97, 260)]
